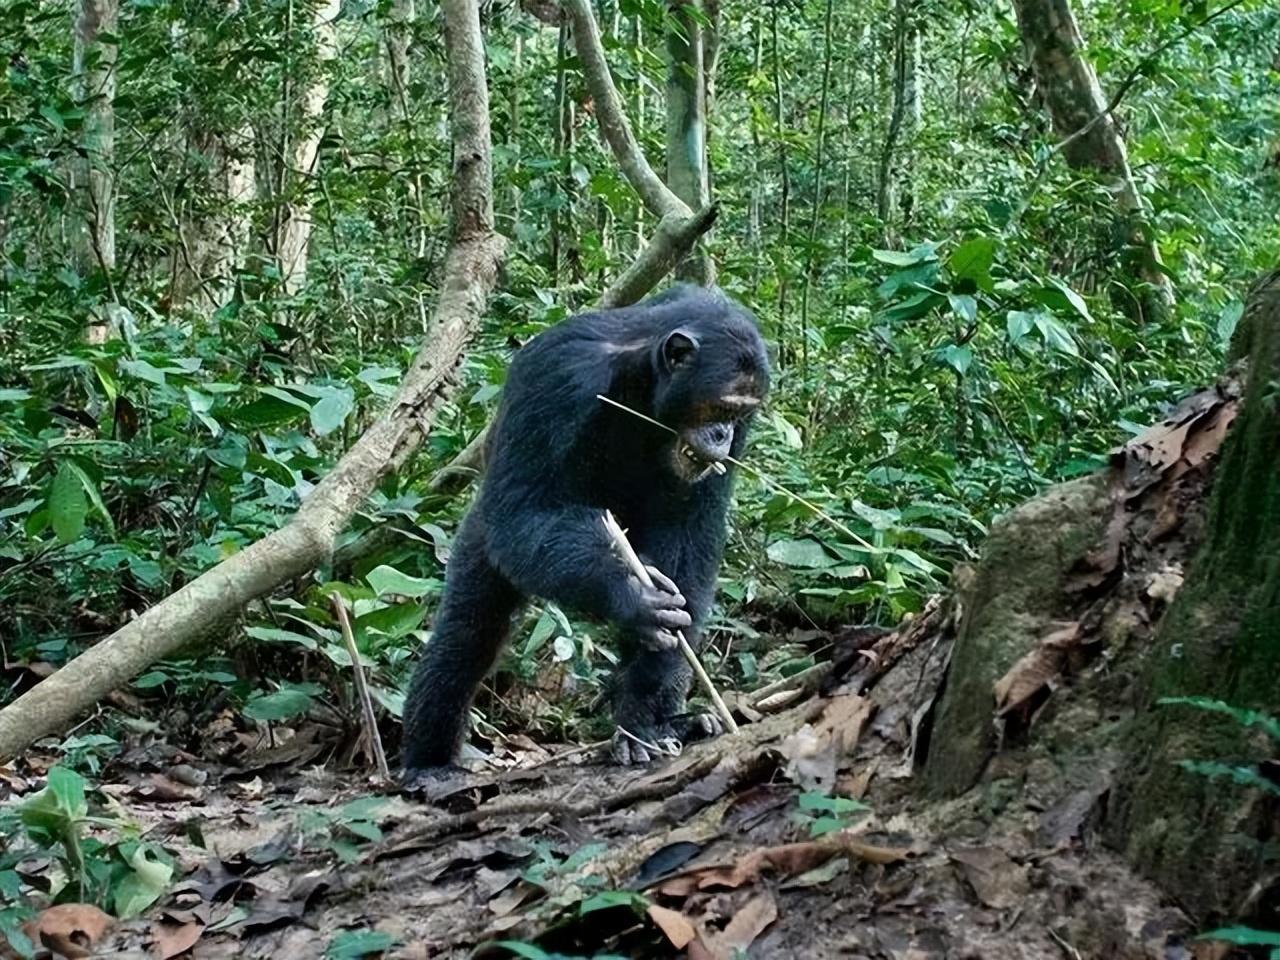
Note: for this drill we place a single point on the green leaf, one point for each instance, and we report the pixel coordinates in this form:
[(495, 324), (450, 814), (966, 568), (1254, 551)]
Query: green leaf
[(1073, 298), (1242, 937), (800, 553), (276, 635), (266, 411), (972, 260), (68, 507), (143, 371), (351, 944), (1019, 324), (387, 579), (899, 258), (1056, 336), (91, 491), (542, 632), (59, 806), (283, 704), (143, 885), (957, 356), (913, 307), (1227, 322), (14, 395), (964, 306), (331, 411)]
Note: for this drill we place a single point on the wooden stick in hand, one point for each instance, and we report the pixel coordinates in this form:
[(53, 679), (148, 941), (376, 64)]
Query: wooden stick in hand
[(628, 555)]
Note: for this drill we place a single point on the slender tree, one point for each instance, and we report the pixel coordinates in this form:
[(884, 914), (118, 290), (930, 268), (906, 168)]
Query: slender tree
[(1091, 138)]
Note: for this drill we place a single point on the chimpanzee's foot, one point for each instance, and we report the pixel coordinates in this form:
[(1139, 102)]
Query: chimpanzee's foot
[(431, 779), (698, 726), (640, 744)]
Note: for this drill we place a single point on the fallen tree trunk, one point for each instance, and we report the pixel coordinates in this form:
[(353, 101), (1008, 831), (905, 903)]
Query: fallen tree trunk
[(471, 270)]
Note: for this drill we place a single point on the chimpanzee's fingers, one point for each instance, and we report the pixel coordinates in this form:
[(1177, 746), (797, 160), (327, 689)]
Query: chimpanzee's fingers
[(662, 581), (672, 619), (665, 640)]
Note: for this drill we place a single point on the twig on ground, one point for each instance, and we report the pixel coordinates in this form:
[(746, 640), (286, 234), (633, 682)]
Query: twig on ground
[(362, 688)]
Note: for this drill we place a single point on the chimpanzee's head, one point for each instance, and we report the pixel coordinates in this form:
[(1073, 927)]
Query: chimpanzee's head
[(712, 373)]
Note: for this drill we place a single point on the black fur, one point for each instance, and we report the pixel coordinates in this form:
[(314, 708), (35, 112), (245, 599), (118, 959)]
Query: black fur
[(558, 457)]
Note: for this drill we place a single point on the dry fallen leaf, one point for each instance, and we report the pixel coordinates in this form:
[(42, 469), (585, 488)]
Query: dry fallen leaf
[(997, 880), (174, 939), (71, 929), (747, 924), (787, 860), (675, 925), (1038, 668)]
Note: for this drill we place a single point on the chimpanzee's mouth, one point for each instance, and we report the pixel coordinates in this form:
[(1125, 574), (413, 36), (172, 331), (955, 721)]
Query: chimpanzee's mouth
[(693, 466)]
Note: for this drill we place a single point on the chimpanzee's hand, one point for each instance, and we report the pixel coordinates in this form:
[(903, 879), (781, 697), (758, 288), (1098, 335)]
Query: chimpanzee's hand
[(659, 611)]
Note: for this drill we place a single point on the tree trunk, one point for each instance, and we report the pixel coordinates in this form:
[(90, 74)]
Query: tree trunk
[(687, 127), (213, 241), (815, 213), (1091, 136), (886, 186), (1218, 640), (294, 232), (93, 186)]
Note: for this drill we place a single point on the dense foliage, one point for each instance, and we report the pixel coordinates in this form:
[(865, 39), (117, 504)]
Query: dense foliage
[(935, 364)]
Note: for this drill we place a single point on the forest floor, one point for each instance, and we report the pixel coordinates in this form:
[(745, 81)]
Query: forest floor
[(851, 822)]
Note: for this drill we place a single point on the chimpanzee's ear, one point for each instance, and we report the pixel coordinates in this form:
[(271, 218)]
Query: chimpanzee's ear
[(678, 348)]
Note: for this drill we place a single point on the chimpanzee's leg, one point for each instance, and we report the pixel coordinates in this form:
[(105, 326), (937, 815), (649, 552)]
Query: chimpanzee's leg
[(650, 698), (470, 629)]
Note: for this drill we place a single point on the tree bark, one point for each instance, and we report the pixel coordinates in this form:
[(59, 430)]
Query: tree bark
[(308, 539), (294, 233), (687, 126), (1218, 640), (93, 186), (1092, 139), (213, 241)]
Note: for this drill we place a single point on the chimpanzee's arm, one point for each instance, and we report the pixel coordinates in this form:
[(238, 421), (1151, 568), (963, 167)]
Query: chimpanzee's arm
[(562, 553)]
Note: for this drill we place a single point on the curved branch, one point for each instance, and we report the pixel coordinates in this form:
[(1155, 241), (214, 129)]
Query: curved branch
[(218, 595), (658, 198)]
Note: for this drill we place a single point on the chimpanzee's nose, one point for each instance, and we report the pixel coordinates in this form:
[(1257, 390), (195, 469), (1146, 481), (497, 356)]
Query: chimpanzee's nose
[(721, 434)]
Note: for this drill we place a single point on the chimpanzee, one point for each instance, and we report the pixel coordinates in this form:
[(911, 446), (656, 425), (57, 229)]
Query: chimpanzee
[(558, 458)]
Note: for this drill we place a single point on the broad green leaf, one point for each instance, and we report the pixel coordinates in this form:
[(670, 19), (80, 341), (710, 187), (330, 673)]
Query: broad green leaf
[(68, 506), (1073, 298), (143, 371), (331, 411), (387, 579), (276, 635), (973, 258), (283, 704), (1056, 336), (542, 631), (914, 306), (148, 880), (266, 411), (91, 491), (1019, 324), (800, 553), (14, 395), (957, 356), (964, 306), (899, 258), (59, 806)]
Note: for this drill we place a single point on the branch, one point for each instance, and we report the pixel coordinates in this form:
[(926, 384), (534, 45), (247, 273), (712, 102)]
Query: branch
[(218, 595), (657, 197), (1131, 78)]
